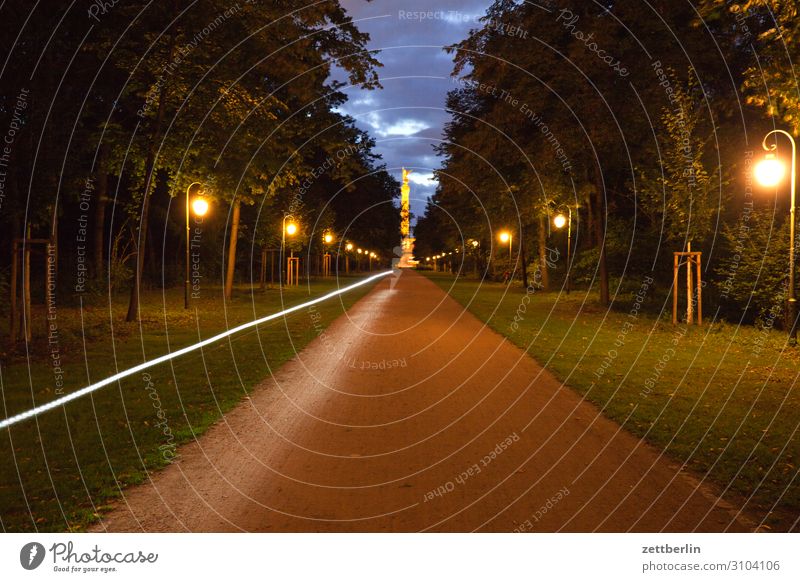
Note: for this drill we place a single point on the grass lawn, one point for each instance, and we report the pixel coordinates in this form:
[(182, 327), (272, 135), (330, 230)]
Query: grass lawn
[(59, 471), (720, 399)]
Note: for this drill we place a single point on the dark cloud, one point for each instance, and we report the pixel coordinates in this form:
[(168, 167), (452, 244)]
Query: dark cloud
[(406, 117)]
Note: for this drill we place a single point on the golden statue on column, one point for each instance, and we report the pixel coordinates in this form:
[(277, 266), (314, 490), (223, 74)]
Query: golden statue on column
[(406, 240)]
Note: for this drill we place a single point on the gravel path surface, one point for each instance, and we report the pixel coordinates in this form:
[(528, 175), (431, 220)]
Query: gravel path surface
[(409, 415)]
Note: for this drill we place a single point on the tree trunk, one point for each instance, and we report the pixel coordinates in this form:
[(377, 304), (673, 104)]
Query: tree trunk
[(590, 220), (26, 288), (523, 259), (262, 279), (149, 172), (100, 200), (231, 266), (542, 240), (600, 234), (16, 233), (14, 328)]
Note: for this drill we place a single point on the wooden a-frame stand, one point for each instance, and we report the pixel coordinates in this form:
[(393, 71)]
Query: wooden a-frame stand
[(692, 260)]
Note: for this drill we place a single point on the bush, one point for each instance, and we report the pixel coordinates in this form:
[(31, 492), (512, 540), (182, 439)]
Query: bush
[(753, 275)]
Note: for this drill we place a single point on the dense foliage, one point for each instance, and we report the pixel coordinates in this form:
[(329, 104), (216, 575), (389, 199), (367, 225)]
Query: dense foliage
[(112, 110), (645, 119)]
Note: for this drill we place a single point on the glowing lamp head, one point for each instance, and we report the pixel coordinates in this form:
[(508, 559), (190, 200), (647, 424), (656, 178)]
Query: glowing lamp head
[(328, 238), (359, 251), (474, 243), (199, 206), (349, 246), (291, 229), (559, 221), (505, 236), (769, 171)]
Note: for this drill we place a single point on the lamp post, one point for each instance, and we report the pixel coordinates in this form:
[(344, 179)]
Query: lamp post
[(200, 207), (769, 172), (291, 230), (327, 239), (559, 221), (506, 237), (348, 249)]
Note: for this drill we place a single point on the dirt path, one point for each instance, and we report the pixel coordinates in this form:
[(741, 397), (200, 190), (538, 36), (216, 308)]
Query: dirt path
[(422, 419)]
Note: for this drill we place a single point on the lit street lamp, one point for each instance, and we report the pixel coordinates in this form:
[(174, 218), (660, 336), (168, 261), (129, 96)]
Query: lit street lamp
[(290, 229), (327, 239), (348, 249), (769, 172), (559, 221), (200, 206), (505, 237)]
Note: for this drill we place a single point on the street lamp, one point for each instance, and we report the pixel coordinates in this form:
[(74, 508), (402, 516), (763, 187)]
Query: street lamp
[(505, 237), (559, 221), (200, 206), (289, 228), (769, 172), (348, 248), (327, 239)]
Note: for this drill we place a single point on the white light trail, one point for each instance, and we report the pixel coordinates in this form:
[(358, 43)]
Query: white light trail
[(17, 418)]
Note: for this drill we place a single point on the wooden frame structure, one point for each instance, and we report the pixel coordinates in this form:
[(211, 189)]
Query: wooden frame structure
[(292, 271), (326, 265), (20, 322), (693, 259)]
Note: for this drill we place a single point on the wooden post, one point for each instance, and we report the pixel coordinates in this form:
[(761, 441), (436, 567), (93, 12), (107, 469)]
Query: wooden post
[(26, 289), (292, 271), (675, 290), (693, 261), (699, 292), (689, 286), (326, 265)]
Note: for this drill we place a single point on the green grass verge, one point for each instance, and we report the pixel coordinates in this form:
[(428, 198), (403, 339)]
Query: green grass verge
[(720, 399), (58, 472)]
